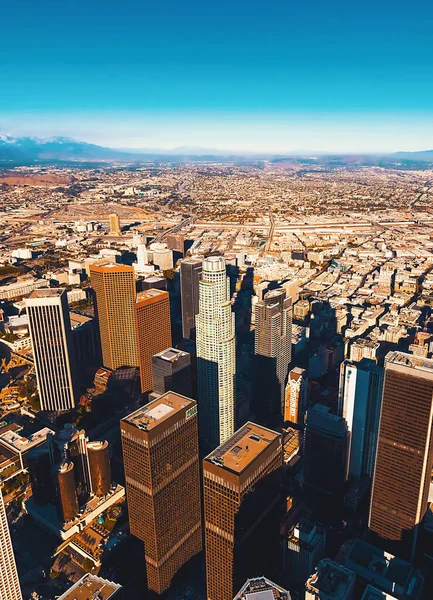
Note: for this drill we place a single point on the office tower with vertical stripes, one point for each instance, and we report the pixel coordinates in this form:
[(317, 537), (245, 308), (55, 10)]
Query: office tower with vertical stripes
[(216, 354), (55, 364), (9, 583), (160, 455), (115, 295), (242, 491), (190, 273), (404, 454), (153, 331)]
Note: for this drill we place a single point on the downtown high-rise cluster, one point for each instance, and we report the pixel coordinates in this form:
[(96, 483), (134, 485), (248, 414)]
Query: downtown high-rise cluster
[(268, 494)]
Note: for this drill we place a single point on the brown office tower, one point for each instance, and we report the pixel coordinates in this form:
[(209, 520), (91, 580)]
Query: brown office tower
[(67, 502), (160, 454), (114, 289), (175, 241), (273, 350), (99, 467), (241, 503), (153, 329), (404, 452)]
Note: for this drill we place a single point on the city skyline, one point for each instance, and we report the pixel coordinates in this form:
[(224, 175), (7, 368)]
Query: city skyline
[(216, 300)]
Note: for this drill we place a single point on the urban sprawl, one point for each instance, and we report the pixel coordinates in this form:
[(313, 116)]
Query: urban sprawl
[(216, 382)]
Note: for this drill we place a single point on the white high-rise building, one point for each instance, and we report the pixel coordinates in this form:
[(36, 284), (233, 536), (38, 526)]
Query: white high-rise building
[(50, 331), (216, 354), (9, 582), (359, 403), (142, 266)]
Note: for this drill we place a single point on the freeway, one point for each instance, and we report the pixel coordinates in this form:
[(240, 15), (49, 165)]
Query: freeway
[(271, 231), (184, 223)]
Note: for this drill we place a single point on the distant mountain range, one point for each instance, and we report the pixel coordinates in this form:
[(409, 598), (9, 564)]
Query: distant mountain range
[(16, 151), (27, 150)]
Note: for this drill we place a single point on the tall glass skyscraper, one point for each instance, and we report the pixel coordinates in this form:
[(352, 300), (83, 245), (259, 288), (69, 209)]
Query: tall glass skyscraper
[(273, 350), (359, 403), (216, 354)]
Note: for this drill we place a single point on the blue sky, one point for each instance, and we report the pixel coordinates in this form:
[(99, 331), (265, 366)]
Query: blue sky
[(321, 75)]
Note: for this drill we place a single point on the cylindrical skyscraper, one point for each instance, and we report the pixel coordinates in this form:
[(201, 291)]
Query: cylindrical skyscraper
[(216, 354), (99, 466), (67, 498)]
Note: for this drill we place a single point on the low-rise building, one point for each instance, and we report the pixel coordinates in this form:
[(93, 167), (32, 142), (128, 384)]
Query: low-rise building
[(331, 581), (91, 587), (261, 588), (385, 571)]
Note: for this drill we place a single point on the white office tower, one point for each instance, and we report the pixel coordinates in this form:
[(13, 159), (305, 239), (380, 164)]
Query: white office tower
[(50, 331), (141, 266), (9, 582), (162, 256), (216, 354), (359, 403)]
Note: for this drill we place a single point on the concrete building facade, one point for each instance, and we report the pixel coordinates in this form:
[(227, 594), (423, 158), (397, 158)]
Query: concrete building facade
[(9, 583), (55, 364)]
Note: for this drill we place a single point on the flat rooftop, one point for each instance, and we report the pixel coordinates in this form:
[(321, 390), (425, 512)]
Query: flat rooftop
[(385, 567), (90, 587), (261, 588), (150, 416), (331, 580), (192, 261), (21, 443), (372, 593), (153, 279), (152, 293), (242, 449), (409, 360), (171, 354), (77, 319), (46, 293), (106, 265)]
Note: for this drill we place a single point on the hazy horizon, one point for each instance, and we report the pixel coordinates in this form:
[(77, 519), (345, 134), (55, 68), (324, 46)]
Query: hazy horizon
[(240, 76), (256, 135)]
